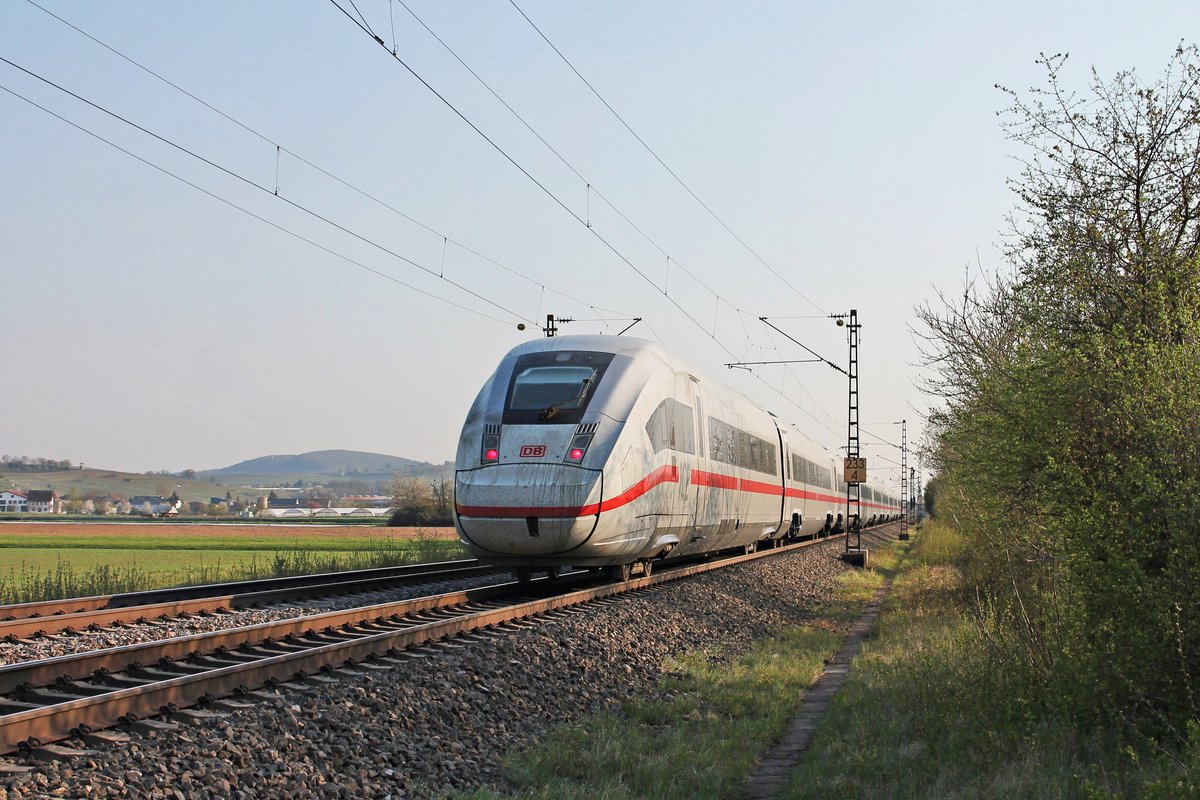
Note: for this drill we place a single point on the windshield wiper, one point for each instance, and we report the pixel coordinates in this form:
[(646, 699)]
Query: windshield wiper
[(548, 413)]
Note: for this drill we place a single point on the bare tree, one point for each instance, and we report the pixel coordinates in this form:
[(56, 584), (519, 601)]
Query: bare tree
[(411, 493)]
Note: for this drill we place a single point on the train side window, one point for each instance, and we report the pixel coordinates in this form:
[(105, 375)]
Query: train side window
[(683, 428), (811, 473), (671, 427), (658, 429), (731, 445)]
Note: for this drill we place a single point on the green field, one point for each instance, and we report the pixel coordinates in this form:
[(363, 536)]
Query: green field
[(17, 560), (201, 542), (50, 561)]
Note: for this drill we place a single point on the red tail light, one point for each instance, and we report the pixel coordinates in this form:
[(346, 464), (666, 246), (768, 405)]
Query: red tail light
[(490, 452), (578, 448)]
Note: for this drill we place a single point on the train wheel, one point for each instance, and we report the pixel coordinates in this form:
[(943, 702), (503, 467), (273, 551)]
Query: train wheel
[(621, 572), (523, 575), (647, 566), (750, 548), (553, 572)]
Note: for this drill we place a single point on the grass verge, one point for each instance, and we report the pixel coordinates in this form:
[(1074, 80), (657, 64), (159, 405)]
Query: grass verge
[(697, 734), (926, 713)]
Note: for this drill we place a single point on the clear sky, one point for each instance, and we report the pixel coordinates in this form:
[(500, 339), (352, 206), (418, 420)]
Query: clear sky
[(854, 147)]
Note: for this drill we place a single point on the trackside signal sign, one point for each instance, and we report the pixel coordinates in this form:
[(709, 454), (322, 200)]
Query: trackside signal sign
[(854, 470)]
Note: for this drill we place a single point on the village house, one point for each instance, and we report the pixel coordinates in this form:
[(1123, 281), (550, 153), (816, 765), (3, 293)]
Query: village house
[(12, 500), (44, 501)]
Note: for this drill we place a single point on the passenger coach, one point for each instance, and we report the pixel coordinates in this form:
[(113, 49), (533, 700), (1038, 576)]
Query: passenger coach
[(607, 451)]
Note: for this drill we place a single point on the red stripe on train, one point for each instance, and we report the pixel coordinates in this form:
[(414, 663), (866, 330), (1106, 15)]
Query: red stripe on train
[(713, 479), (664, 474)]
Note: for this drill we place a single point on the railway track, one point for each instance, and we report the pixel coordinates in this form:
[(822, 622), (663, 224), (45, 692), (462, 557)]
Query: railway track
[(50, 617), (71, 696)]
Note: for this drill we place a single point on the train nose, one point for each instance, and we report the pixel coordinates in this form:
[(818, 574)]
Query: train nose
[(526, 509)]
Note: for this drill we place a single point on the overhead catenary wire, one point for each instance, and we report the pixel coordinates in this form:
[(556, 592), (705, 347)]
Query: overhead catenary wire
[(558, 201), (250, 213), (664, 164), (267, 190), (687, 188), (285, 150), (589, 187)]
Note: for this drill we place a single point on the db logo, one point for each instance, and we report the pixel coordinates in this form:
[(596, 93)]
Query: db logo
[(533, 450)]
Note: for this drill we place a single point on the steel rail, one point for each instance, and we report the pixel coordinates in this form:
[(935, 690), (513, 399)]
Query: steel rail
[(45, 672), (224, 672), (32, 626), (45, 608)]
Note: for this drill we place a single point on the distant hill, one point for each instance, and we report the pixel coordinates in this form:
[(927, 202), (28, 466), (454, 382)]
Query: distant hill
[(91, 482), (333, 463)]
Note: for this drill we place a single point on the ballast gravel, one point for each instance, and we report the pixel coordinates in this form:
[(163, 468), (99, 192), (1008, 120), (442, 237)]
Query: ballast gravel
[(442, 721)]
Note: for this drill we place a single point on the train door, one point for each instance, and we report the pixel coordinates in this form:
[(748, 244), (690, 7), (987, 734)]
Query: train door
[(785, 467), (702, 495)]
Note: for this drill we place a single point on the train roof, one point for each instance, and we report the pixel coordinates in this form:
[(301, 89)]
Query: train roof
[(633, 346), (621, 345)]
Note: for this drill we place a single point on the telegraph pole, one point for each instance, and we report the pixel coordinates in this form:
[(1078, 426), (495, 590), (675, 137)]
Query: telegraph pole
[(855, 466), (904, 480), (912, 488)]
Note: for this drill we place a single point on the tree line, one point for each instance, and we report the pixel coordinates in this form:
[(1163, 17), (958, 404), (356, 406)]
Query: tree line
[(26, 464), (1067, 446)]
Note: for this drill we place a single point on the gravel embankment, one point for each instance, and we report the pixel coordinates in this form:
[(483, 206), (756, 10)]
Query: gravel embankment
[(442, 723)]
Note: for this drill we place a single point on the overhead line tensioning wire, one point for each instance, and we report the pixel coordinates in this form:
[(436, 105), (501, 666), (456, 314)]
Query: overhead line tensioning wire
[(267, 190), (309, 163), (657, 158), (591, 188), (334, 177), (364, 19), (558, 201), (246, 211), (351, 186), (550, 194)]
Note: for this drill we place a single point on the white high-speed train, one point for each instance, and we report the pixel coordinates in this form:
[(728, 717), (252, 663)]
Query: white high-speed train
[(607, 451)]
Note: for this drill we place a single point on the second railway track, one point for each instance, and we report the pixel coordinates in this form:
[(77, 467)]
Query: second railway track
[(57, 616)]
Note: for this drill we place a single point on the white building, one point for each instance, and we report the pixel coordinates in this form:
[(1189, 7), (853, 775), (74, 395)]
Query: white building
[(14, 501), (45, 501)]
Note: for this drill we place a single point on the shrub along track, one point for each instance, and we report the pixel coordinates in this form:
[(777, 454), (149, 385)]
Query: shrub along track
[(365, 641)]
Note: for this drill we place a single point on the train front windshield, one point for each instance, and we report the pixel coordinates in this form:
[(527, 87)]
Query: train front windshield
[(553, 387)]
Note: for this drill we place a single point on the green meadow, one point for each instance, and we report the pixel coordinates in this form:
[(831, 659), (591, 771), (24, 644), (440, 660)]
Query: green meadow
[(47, 563)]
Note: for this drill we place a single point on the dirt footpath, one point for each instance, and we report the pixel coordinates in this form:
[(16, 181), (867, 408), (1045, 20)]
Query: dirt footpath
[(50, 530)]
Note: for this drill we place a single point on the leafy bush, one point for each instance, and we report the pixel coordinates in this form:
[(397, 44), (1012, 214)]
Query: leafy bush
[(1068, 448)]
